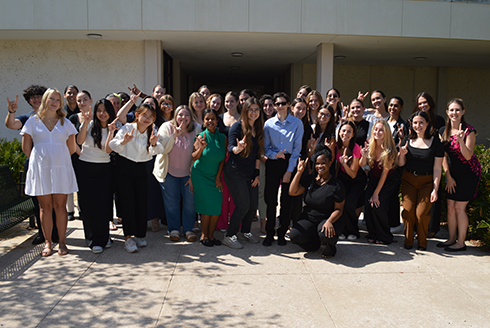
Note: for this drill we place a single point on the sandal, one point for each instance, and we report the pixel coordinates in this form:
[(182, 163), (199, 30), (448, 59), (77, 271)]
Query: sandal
[(47, 250), (155, 225), (190, 236), (62, 249), (174, 235), (112, 226)]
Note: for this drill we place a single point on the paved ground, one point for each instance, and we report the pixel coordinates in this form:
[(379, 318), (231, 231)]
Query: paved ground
[(188, 285)]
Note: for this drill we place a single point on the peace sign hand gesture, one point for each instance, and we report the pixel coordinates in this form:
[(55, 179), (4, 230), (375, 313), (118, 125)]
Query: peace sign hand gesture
[(400, 131), (87, 116), (128, 136), (460, 134), (13, 104), (365, 149), (178, 130), (344, 159), (154, 137)]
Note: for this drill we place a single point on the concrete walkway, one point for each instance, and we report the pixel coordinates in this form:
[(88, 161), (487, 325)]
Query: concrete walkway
[(188, 285)]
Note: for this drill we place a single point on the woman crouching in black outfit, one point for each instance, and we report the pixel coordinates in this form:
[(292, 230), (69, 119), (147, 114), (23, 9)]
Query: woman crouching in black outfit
[(321, 220)]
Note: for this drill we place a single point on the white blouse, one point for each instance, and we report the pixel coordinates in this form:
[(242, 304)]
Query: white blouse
[(91, 153), (134, 150)]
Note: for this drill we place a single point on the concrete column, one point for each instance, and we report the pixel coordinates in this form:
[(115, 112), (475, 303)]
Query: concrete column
[(324, 67), (441, 90), (177, 82), (296, 79), (153, 64)]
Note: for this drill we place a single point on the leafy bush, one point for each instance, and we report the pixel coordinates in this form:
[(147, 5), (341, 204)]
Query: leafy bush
[(11, 154)]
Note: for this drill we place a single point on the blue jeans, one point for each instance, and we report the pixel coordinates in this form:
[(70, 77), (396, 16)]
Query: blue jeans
[(173, 190)]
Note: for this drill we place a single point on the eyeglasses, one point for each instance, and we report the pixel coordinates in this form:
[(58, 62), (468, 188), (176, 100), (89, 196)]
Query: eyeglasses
[(324, 115), (333, 96), (277, 104), (166, 105)]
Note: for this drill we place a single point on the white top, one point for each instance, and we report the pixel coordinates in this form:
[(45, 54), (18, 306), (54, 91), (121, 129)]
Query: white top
[(135, 150), (50, 168), (91, 153)]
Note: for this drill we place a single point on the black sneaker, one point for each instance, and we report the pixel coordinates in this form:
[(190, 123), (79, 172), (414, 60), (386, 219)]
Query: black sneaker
[(281, 241), (71, 216), (267, 242)]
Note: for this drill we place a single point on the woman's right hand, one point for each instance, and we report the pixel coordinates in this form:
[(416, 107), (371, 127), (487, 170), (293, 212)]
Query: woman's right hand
[(365, 149), (404, 149)]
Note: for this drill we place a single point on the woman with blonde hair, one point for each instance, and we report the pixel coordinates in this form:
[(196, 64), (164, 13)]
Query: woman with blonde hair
[(215, 101), (197, 104), (48, 139), (172, 170), (381, 156), (314, 101)]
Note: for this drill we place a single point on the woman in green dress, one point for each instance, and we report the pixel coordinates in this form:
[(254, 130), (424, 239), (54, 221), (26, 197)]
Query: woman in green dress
[(209, 156)]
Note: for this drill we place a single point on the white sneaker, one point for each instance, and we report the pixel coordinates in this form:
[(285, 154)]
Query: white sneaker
[(97, 249), (351, 237), (398, 229), (342, 237), (248, 236), (141, 242), (232, 242), (109, 243), (130, 246)]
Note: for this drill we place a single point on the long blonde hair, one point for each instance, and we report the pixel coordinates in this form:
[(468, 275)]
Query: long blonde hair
[(42, 109), (388, 148)]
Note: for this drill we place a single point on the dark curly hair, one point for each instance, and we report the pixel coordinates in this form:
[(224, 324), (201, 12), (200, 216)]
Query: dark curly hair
[(34, 90)]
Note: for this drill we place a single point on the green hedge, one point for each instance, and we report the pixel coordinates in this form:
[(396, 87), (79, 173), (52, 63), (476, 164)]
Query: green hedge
[(11, 154)]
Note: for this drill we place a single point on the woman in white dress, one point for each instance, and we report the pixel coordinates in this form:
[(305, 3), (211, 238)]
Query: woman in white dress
[(48, 139)]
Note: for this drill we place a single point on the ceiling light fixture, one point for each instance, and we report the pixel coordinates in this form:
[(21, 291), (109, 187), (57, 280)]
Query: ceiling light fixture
[(339, 57), (94, 36), (235, 68), (237, 54), (420, 58)]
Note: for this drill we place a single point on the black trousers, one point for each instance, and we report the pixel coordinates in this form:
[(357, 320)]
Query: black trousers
[(309, 236), (132, 191), (274, 171), (95, 197), (245, 197), (377, 220), (354, 189)]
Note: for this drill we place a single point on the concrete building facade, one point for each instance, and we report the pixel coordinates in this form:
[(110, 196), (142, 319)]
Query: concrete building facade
[(402, 47)]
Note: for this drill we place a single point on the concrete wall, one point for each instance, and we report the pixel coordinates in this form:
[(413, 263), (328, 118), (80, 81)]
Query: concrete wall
[(413, 18), (97, 66), (470, 84)]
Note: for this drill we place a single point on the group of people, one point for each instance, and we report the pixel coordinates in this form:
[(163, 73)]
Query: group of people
[(219, 159)]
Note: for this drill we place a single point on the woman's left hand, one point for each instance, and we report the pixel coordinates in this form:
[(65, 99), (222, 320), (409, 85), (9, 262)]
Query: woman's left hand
[(154, 137), (328, 229), (218, 183), (255, 182), (374, 200)]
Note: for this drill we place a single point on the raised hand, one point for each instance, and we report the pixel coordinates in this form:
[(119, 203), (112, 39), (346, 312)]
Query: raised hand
[(460, 134), (345, 112), (87, 116), (134, 89), (362, 96), (344, 159), (311, 145), (281, 154), (128, 136), (404, 149), (179, 130), (13, 104), (365, 149), (241, 144), (112, 126), (400, 131), (134, 96), (302, 165), (154, 137), (200, 142)]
